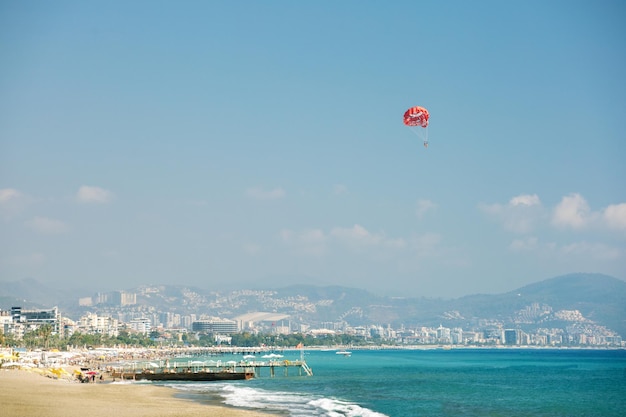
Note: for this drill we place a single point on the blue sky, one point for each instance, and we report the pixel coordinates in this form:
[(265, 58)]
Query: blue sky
[(261, 143)]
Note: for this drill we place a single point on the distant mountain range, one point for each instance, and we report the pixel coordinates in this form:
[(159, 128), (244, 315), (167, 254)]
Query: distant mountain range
[(600, 299)]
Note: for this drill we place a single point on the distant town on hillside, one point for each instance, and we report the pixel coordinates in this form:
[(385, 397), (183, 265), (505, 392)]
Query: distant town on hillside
[(583, 310)]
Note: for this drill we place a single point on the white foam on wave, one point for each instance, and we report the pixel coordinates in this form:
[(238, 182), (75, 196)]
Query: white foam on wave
[(294, 403), (337, 408), (123, 382), (130, 381), (258, 398)]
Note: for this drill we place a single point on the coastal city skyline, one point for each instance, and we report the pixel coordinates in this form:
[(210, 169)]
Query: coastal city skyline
[(554, 313), (262, 143), (174, 329)]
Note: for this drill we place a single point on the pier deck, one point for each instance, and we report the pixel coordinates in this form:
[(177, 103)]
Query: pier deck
[(194, 367)]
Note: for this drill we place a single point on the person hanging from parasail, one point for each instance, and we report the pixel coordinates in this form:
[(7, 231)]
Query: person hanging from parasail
[(417, 118)]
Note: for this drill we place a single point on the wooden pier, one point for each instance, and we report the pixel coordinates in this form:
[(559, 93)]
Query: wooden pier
[(285, 365), (196, 367)]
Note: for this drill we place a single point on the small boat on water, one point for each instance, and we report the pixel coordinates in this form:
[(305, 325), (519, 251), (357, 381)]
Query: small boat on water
[(183, 376), (343, 352)]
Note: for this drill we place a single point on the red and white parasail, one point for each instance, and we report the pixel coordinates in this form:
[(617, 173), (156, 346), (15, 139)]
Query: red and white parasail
[(417, 117)]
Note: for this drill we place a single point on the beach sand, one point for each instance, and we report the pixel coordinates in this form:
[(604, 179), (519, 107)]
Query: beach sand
[(27, 394)]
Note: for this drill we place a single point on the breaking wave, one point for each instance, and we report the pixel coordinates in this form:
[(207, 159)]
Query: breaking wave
[(287, 403)]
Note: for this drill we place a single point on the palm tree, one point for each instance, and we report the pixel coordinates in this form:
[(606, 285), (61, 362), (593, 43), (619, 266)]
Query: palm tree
[(45, 331)]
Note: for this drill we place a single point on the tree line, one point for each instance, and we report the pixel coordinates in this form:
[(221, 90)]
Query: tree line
[(44, 337)]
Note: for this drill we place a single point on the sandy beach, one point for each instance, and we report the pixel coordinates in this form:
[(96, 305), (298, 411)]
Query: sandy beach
[(27, 394)]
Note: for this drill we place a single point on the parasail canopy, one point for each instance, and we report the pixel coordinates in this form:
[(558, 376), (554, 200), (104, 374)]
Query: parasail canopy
[(416, 116)]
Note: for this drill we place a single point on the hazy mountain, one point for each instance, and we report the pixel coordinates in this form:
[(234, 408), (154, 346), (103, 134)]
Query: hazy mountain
[(599, 298), (573, 291), (30, 293)]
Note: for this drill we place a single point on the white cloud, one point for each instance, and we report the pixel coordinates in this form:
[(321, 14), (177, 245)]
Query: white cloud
[(615, 216), (90, 194), (424, 206), (259, 193), (356, 234), (46, 226), (8, 194), (372, 250), (519, 215), (524, 212), (573, 211), (12, 202), (315, 241), (525, 200)]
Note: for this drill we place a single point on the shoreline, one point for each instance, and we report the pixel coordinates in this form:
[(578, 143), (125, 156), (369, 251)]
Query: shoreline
[(28, 394)]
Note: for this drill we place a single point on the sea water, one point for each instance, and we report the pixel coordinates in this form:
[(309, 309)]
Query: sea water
[(456, 382)]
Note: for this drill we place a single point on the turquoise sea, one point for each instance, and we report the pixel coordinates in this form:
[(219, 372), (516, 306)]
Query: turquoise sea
[(456, 382)]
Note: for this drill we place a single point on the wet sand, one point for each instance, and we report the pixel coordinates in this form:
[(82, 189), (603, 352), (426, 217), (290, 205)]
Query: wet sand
[(27, 394)]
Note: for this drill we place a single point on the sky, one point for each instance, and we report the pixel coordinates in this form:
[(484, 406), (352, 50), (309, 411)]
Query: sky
[(256, 144)]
